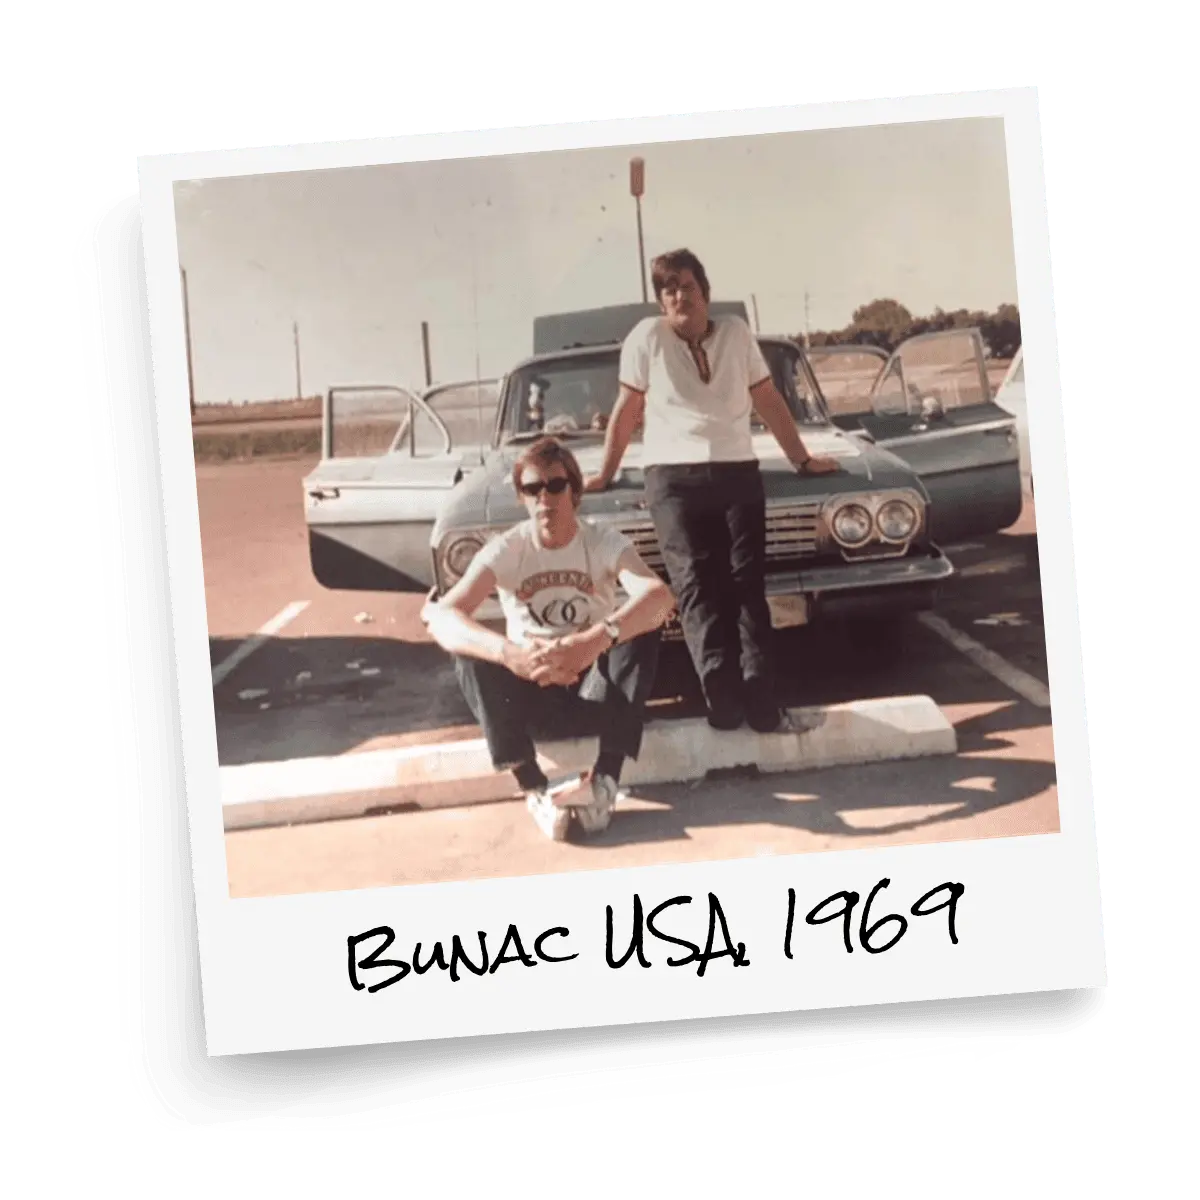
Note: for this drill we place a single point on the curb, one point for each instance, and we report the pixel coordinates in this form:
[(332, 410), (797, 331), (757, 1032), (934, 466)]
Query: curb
[(459, 773)]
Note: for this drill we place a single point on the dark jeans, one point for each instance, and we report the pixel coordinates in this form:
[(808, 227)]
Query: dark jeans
[(711, 524), (611, 699)]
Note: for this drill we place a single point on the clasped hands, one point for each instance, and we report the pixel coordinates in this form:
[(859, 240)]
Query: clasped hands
[(556, 662)]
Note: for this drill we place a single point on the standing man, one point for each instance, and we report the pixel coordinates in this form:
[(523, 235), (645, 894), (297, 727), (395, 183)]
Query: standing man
[(694, 380), (557, 579)]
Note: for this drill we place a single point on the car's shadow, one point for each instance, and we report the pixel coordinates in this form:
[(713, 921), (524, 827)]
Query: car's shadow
[(300, 697), (319, 696)]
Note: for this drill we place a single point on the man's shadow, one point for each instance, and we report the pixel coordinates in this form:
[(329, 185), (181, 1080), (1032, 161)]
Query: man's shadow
[(857, 803), (862, 801)]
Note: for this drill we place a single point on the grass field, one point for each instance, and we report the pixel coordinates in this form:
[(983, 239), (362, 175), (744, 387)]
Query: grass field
[(308, 408)]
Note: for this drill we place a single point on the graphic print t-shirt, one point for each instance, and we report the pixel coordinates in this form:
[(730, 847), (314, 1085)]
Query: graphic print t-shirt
[(553, 593)]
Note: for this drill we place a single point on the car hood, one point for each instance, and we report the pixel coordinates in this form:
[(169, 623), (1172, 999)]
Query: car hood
[(486, 496)]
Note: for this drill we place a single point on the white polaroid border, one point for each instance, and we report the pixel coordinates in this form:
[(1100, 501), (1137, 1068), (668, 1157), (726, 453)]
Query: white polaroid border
[(275, 972)]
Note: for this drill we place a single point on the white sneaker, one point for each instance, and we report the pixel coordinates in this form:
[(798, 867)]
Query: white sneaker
[(573, 792), (551, 820), (595, 817)]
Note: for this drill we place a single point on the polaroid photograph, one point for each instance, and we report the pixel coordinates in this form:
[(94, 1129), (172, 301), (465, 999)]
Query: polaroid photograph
[(608, 579)]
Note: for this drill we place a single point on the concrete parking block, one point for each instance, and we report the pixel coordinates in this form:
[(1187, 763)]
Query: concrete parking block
[(459, 773)]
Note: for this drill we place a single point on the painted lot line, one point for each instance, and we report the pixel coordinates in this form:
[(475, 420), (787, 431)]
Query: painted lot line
[(1021, 682), (244, 649)]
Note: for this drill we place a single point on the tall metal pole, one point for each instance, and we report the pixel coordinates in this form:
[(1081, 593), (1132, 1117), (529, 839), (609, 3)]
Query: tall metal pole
[(754, 306), (641, 253), (187, 334), (425, 351), (637, 185), (806, 341), (296, 343)]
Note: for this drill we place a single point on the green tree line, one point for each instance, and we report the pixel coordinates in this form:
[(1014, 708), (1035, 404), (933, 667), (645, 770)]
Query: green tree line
[(886, 323)]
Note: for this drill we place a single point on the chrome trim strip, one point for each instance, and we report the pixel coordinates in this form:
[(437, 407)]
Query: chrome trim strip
[(954, 431), (878, 551), (852, 576)]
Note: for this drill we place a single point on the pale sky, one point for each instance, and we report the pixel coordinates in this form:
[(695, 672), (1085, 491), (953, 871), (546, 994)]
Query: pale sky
[(359, 257)]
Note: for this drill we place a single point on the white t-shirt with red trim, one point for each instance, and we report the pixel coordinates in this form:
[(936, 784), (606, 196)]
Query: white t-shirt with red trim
[(688, 420), (552, 593)]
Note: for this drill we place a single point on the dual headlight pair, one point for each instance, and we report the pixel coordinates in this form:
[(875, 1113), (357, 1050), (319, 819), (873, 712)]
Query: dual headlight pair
[(854, 520)]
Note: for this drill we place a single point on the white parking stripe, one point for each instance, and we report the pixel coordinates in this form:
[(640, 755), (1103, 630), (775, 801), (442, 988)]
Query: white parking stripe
[(248, 647), (1020, 681)]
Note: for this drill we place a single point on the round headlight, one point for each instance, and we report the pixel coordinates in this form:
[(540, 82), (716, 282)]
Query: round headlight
[(897, 521), (458, 554), (851, 525)]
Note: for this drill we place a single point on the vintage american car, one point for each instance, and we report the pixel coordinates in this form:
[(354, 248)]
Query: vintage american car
[(410, 485)]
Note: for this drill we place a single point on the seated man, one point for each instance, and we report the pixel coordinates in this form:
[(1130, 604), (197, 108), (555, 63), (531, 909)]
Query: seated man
[(557, 578)]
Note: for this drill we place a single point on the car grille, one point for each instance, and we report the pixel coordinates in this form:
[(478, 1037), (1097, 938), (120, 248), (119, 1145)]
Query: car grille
[(791, 534)]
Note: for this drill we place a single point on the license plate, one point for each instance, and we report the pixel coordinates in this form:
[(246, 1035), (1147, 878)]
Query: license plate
[(788, 611)]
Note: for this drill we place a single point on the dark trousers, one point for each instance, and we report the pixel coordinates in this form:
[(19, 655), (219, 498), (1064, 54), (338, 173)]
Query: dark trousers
[(610, 699), (711, 524)]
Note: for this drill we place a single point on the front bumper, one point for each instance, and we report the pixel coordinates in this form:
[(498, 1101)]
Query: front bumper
[(820, 593), (857, 589)]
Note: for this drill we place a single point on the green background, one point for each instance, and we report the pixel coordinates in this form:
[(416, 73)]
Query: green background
[(82, 89)]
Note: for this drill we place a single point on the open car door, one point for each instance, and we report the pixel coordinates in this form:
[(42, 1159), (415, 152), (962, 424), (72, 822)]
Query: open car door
[(468, 411), (931, 405), (846, 375), (387, 465)]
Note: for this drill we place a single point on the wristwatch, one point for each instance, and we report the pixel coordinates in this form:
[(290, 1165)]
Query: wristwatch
[(612, 629)]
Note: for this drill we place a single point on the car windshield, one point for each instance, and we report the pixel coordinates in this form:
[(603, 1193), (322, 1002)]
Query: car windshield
[(573, 396)]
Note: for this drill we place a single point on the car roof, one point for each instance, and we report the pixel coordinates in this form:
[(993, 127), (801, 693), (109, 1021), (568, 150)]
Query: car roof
[(574, 352), (602, 326)]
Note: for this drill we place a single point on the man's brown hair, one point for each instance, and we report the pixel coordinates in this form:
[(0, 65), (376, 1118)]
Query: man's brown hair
[(667, 265), (544, 453)]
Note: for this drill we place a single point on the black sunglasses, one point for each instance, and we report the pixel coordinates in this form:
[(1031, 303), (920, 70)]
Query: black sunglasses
[(555, 486)]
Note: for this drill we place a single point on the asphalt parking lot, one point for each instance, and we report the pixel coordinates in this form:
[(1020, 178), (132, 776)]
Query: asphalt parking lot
[(300, 671)]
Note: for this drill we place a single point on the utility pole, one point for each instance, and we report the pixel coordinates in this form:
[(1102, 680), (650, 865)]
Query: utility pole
[(425, 351), (187, 334), (296, 344), (754, 306), (637, 185)]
